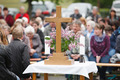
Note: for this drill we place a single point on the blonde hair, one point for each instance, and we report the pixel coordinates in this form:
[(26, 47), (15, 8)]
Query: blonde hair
[(17, 32), (82, 19), (3, 38)]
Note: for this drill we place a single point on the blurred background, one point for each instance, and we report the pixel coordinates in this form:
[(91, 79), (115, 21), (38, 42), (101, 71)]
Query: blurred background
[(85, 6)]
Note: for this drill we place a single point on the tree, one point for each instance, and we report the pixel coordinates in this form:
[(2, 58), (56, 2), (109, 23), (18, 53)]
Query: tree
[(99, 3)]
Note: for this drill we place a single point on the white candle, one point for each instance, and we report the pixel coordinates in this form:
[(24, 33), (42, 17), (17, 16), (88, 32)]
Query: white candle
[(82, 48), (47, 48)]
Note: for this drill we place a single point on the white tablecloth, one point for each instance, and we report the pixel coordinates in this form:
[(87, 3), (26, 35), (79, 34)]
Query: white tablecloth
[(77, 68)]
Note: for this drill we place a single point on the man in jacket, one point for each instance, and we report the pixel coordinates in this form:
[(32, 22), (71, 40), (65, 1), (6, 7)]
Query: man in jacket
[(76, 14), (20, 53)]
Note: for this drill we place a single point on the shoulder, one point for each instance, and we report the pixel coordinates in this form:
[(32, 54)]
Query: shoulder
[(35, 36), (118, 37)]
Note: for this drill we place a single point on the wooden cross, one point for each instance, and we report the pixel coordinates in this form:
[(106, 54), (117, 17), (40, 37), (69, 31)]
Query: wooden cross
[(58, 19)]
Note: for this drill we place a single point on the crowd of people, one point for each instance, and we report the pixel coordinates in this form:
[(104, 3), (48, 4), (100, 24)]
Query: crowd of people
[(22, 38)]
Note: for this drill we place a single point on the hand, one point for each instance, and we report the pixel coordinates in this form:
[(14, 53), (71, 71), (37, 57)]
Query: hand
[(98, 59), (28, 78), (32, 51)]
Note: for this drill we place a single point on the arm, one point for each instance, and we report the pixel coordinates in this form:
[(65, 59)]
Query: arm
[(39, 48), (92, 46), (25, 59), (107, 41)]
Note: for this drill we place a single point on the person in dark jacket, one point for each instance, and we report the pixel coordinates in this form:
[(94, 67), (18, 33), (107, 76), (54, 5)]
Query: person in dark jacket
[(118, 44), (8, 18), (35, 25), (20, 53), (76, 14), (5, 61), (95, 15)]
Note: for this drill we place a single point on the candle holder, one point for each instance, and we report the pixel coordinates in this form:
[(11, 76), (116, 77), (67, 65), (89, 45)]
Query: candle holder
[(81, 60)]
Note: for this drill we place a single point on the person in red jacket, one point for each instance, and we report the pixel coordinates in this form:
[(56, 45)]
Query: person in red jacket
[(8, 18), (22, 13)]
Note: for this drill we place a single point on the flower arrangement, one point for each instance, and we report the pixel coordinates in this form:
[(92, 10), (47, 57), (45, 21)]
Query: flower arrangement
[(69, 40)]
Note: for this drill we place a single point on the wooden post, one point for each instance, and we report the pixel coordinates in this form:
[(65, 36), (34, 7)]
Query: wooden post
[(91, 76), (45, 76), (82, 77), (34, 76)]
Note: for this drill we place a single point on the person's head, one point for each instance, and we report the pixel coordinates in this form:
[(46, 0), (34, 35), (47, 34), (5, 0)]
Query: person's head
[(25, 21), (38, 12), (6, 29), (98, 30), (31, 21), (35, 25), (70, 26), (15, 25), (5, 10), (113, 12), (29, 31), (76, 26), (17, 32), (102, 22), (83, 20), (53, 12), (76, 10), (108, 30), (3, 22), (95, 10), (3, 38), (22, 9), (90, 25), (39, 20), (115, 25)]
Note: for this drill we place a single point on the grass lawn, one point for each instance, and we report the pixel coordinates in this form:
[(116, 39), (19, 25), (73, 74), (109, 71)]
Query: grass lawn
[(17, 3)]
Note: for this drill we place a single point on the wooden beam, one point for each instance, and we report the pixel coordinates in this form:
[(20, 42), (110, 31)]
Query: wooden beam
[(108, 64)]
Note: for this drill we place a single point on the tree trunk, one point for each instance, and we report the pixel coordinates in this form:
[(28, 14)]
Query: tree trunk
[(29, 8), (98, 4)]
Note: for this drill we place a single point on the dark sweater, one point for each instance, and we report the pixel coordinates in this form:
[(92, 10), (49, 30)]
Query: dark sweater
[(100, 48)]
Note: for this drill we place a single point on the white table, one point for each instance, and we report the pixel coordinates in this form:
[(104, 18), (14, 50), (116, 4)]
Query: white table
[(83, 69)]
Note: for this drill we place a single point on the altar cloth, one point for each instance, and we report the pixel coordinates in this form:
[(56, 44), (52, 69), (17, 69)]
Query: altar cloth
[(76, 69)]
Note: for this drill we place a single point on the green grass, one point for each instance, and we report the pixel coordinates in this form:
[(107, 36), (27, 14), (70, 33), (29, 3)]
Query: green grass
[(17, 3), (13, 3)]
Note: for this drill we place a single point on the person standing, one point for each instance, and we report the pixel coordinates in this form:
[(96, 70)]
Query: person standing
[(22, 14), (20, 54), (8, 18), (76, 14), (95, 15), (5, 60)]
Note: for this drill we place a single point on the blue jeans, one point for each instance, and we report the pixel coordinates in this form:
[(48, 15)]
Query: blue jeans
[(101, 70), (111, 52), (35, 55)]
